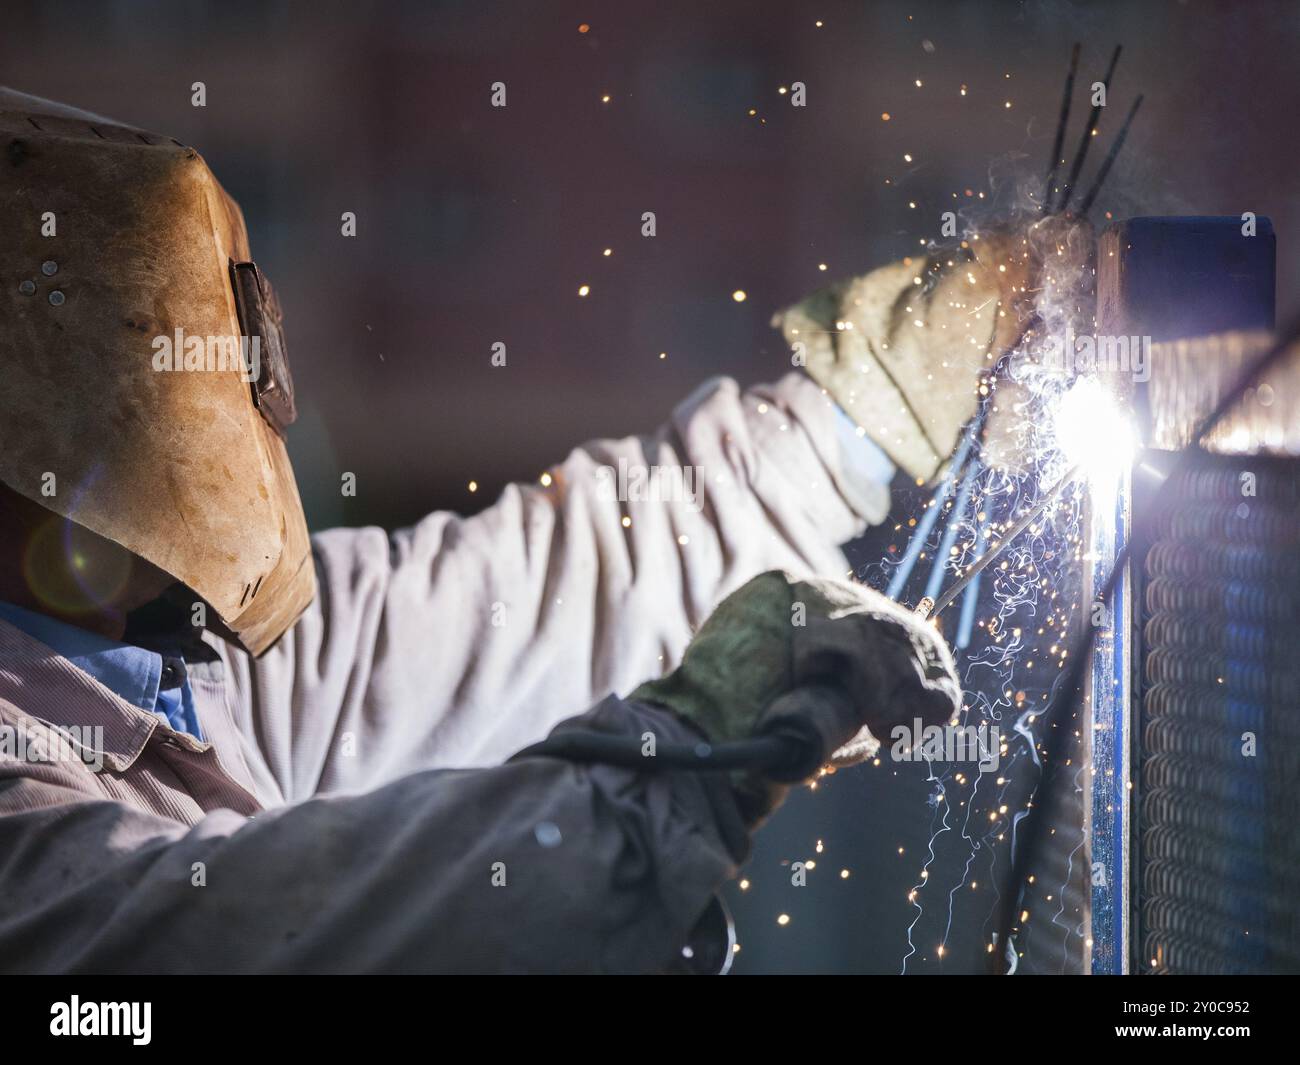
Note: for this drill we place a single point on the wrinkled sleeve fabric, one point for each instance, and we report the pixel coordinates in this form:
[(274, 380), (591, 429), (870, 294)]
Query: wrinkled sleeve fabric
[(537, 865), (461, 640)]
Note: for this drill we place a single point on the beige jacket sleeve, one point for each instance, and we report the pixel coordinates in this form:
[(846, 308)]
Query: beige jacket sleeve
[(537, 865), (461, 640)]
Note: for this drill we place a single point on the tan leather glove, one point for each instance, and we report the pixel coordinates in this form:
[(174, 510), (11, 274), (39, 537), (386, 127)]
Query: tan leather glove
[(835, 659), (905, 349)]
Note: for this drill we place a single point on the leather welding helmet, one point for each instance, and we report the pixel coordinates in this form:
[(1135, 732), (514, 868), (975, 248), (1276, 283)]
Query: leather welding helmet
[(144, 390)]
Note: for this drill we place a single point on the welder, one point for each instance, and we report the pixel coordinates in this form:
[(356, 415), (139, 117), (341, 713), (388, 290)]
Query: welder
[(265, 751)]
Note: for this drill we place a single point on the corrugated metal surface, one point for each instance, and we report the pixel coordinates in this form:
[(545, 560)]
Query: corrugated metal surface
[(1219, 833)]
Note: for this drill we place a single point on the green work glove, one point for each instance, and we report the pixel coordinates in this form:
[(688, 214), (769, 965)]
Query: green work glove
[(835, 660), (906, 349)]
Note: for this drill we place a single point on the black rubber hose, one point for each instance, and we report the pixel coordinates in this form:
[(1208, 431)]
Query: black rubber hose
[(785, 754)]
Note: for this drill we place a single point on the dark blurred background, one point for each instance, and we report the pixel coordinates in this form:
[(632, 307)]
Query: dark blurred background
[(478, 225)]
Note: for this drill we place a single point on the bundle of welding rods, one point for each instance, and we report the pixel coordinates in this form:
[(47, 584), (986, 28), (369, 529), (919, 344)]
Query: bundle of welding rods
[(965, 468)]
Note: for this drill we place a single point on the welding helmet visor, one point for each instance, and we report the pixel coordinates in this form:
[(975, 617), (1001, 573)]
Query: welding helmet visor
[(146, 388)]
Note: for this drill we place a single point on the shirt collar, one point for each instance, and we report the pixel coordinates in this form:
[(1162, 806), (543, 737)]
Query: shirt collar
[(132, 673)]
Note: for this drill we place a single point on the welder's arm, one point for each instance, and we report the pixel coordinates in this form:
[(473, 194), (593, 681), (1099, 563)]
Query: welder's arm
[(536, 865), (461, 640)]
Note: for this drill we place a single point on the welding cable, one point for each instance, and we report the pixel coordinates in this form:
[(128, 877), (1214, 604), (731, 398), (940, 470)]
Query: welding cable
[(785, 753), (587, 745), (1039, 810)]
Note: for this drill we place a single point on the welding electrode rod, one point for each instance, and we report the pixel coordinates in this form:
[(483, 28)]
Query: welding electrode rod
[(966, 619), (1082, 153), (917, 543), (1049, 193), (1109, 160), (993, 552)]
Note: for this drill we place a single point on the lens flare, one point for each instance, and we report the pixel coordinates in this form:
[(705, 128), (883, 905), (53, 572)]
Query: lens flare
[(71, 570)]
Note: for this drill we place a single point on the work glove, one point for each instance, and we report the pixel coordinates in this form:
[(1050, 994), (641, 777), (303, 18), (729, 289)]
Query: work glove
[(907, 350), (831, 661)]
